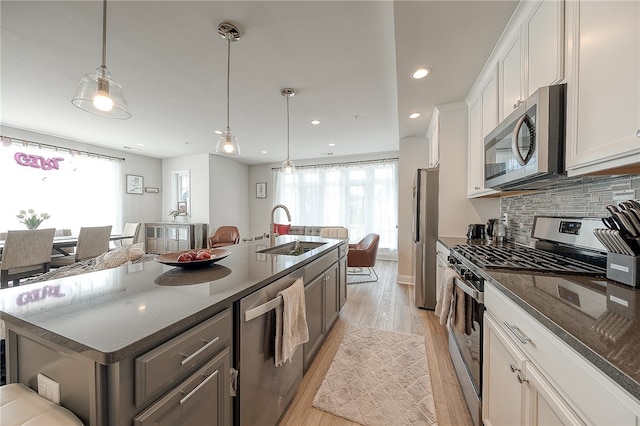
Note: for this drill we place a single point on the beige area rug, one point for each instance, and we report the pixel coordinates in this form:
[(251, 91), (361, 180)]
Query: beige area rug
[(379, 377)]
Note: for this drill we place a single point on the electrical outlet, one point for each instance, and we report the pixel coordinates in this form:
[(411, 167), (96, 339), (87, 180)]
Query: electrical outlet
[(505, 218), (48, 388)]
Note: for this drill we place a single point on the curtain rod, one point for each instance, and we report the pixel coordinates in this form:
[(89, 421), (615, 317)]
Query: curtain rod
[(41, 145), (347, 163)]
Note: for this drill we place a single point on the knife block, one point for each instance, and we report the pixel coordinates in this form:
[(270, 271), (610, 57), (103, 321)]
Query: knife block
[(624, 269)]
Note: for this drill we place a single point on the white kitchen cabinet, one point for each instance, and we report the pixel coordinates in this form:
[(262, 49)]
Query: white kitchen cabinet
[(515, 390), (483, 117), (560, 385), (533, 53), (603, 90), (434, 145)]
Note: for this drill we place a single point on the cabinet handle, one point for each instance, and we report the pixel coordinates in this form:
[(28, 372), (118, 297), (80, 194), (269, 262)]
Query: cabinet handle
[(197, 388), (517, 104), (513, 368), (512, 328), (520, 379), (199, 351), (638, 133)]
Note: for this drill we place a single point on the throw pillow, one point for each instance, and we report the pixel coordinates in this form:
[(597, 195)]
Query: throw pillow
[(136, 251), (281, 229)]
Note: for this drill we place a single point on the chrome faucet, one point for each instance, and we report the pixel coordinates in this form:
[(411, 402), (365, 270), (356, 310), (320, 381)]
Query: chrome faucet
[(272, 233)]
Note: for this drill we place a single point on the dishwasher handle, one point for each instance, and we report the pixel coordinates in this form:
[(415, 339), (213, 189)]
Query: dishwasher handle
[(263, 309)]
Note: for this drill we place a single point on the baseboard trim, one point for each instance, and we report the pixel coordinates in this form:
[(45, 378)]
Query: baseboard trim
[(405, 279)]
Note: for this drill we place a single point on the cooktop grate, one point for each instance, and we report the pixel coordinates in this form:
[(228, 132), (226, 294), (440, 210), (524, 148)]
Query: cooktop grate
[(525, 259)]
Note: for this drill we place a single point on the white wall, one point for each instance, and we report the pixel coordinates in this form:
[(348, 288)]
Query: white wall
[(218, 190), (135, 208), (229, 198), (414, 154)]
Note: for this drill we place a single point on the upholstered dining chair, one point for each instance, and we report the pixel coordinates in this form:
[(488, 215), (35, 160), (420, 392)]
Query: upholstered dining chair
[(363, 255), (25, 253), (92, 242), (131, 229), (224, 236)]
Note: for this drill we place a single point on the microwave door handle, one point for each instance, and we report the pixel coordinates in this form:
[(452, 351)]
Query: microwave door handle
[(524, 119)]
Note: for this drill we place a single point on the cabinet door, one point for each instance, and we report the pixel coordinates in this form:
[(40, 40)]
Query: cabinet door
[(545, 45), (184, 237), (342, 278), (314, 302), (511, 79), (502, 392), (603, 69), (489, 107), (331, 297), (203, 398), (544, 405)]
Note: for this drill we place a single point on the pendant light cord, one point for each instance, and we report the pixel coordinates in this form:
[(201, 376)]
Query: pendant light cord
[(228, 77), (287, 96), (104, 35)]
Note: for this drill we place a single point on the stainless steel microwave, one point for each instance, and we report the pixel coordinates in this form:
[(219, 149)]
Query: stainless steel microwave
[(526, 150)]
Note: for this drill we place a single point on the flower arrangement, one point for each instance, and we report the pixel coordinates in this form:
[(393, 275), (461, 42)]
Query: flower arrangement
[(173, 213), (31, 219)]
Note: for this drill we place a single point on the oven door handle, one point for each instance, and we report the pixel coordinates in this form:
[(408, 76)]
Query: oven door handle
[(471, 291)]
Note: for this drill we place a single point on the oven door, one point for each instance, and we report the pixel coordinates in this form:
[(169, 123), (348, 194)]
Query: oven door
[(465, 342)]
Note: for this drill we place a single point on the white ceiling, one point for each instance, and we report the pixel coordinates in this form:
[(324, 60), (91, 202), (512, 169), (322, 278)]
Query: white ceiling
[(348, 61)]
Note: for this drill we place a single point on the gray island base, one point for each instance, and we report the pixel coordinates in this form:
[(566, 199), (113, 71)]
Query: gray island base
[(149, 343)]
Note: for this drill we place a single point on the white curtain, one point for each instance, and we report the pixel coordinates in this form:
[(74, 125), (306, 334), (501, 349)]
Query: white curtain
[(82, 191), (362, 197)]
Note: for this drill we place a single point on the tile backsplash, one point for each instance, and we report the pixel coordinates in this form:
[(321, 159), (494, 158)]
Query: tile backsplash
[(586, 197)]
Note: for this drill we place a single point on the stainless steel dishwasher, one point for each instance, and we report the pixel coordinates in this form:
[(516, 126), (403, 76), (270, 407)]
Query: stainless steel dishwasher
[(264, 389)]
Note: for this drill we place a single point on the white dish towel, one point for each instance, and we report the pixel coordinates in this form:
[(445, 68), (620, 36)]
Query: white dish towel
[(443, 306), (291, 322)]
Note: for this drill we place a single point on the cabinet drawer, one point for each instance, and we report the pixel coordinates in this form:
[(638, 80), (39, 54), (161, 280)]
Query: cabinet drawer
[(317, 267), (171, 361), (594, 396), (203, 398)]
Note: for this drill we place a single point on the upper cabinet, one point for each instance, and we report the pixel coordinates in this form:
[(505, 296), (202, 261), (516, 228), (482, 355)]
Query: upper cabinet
[(483, 117), (532, 52), (603, 87)]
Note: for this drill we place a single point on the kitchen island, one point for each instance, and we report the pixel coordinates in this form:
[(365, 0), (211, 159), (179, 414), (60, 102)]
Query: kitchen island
[(107, 336)]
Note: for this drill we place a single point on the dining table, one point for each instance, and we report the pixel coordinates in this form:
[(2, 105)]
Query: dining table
[(62, 242)]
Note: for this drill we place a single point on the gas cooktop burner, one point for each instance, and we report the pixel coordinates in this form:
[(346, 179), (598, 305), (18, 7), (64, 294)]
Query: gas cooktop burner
[(525, 259)]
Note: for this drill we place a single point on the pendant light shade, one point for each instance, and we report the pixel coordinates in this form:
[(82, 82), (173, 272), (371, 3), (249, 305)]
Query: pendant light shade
[(228, 144), (97, 92), (287, 165)]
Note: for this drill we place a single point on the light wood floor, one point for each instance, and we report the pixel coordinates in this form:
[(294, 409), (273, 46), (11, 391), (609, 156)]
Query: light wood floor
[(386, 305)]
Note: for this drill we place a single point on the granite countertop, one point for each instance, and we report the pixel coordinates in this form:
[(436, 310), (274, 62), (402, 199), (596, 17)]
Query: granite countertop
[(110, 315), (597, 317)]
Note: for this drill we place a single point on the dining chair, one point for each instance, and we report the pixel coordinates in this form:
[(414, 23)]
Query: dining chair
[(131, 229), (224, 236), (363, 255), (92, 242), (25, 253)]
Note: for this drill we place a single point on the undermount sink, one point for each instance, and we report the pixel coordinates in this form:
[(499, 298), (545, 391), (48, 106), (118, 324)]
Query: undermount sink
[(290, 249)]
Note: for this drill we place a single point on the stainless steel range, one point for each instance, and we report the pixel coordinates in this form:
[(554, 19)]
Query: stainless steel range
[(564, 245)]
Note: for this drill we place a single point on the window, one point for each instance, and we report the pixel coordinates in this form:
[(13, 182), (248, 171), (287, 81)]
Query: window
[(82, 191), (362, 197)]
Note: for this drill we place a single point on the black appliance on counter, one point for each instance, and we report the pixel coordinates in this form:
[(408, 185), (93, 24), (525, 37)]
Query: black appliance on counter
[(565, 245)]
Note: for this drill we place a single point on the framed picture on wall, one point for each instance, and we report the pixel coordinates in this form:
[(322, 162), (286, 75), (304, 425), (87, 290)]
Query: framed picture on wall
[(134, 184), (182, 208), (261, 190)]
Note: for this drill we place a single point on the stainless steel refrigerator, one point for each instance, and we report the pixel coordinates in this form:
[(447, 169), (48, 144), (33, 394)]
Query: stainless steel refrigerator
[(424, 228)]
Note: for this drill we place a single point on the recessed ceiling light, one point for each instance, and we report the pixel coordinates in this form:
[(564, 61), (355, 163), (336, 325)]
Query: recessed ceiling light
[(140, 144), (263, 152), (218, 132), (421, 73), (414, 115), (332, 144), (315, 122)]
